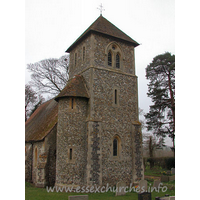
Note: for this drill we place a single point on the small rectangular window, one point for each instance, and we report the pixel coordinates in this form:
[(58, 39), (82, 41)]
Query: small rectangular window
[(70, 154), (72, 104), (83, 53), (115, 96), (75, 62)]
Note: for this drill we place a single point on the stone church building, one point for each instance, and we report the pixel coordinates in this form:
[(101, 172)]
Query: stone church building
[(90, 134)]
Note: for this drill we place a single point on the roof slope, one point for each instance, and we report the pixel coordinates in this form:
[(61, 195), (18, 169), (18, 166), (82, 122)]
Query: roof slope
[(41, 121), (74, 88), (103, 26)]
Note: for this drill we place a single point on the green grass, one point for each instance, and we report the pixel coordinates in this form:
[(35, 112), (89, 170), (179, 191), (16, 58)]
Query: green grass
[(33, 193), (155, 171)]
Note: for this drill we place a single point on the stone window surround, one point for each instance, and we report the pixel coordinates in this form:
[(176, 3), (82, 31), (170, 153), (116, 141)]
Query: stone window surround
[(70, 104), (73, 154), (114, 52), (114, 98), (119, 147)]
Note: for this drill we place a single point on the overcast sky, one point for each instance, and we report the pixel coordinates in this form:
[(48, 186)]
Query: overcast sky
[(51, 26)]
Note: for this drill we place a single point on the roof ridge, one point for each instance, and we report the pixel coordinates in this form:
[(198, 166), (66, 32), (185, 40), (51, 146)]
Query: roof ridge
[(104, 26)]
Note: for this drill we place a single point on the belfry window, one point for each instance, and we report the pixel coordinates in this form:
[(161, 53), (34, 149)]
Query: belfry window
[(118, 61), (114, 56), (109, 59)]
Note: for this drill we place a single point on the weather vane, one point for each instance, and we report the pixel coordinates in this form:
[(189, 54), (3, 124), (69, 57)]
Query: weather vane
[(101, 9)]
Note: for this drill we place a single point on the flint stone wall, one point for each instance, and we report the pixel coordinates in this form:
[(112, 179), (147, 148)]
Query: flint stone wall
[(101, 82), (71, 134)]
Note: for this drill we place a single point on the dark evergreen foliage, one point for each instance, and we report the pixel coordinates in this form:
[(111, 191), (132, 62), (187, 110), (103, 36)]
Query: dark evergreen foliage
[(161, 89)]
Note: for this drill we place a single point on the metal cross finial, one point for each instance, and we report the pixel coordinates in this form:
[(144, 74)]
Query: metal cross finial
[(101, 9)]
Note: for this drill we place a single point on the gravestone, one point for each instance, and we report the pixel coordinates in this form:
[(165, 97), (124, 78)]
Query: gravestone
[(144, 196), (78, 197), (173, 170), (156, 184), (142, 186), (120, 188), (164, 178)]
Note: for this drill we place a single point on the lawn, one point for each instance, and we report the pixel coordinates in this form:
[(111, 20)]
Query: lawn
[(155, 171), (33, 193)]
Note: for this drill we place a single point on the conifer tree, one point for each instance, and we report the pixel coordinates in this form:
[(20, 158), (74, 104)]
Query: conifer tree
[(161, 89)]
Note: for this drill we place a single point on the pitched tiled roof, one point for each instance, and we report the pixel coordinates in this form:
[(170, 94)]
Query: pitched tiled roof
[(41, 121), (103, 26), (74, 88)]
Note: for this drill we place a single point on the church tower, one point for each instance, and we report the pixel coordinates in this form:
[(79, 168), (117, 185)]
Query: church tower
[(99, 139)]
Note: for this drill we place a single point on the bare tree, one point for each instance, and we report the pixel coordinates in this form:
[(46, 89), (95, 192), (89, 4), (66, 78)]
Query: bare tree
[(141, 115), (49, 76), (30, 99)]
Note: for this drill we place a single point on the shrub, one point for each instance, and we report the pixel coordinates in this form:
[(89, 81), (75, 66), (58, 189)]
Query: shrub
[(166, 163), (170, 163)]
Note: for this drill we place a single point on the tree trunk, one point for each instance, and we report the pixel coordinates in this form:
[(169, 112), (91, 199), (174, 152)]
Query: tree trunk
[(172, 109)]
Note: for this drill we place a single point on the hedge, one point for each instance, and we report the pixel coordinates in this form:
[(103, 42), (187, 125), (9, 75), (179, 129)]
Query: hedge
[(164, 162)]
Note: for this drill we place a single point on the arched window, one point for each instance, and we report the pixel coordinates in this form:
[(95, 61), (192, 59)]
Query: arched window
[(118, 61), (115, 145), (114, 56), (109, 58)]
